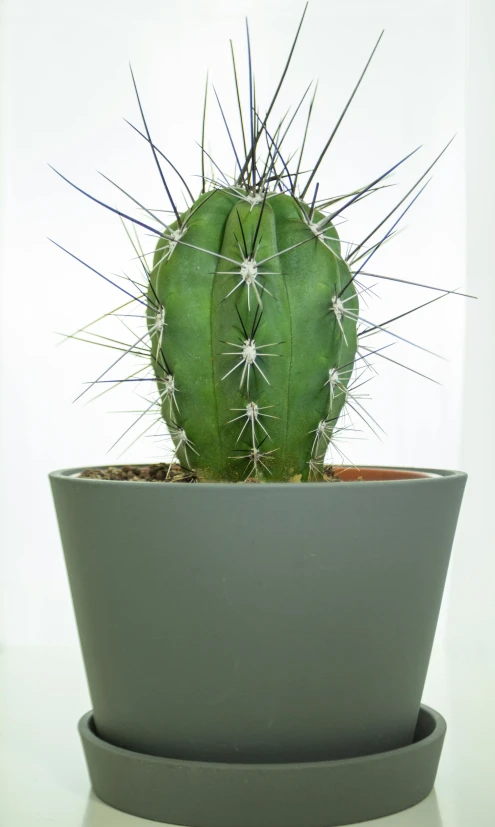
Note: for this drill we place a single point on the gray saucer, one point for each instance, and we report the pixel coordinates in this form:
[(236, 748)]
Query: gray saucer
[(316, 794)]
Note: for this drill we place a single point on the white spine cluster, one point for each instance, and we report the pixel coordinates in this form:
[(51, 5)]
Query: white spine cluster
[(167, 390), (248, 354)]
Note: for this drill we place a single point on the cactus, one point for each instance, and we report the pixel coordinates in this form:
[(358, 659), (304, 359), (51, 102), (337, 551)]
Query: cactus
[(252, 308), (258, 335)]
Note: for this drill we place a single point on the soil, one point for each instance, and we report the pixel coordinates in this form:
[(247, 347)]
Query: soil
[(163, 472), (159, 472)]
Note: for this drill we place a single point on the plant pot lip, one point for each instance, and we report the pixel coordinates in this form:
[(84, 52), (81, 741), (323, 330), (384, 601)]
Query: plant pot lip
[(402, 475)]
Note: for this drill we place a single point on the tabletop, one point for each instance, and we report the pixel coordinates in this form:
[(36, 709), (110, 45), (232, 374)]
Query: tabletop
[(43, 776)]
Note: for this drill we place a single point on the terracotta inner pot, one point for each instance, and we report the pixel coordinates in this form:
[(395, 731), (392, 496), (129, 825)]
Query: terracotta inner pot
[(350, 474)]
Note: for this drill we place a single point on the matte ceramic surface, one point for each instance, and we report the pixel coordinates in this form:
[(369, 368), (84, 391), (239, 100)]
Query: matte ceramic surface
[(257, 623), (321, 794)]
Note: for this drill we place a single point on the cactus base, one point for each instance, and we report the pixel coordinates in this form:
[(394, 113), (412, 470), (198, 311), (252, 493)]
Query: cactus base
[(316, 794)]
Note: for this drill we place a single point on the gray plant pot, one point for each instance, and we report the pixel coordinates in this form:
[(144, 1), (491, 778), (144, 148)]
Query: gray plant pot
[(256, 654)]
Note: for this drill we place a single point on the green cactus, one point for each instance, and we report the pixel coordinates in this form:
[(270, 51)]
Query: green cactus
[(254, 334), (252, 309)]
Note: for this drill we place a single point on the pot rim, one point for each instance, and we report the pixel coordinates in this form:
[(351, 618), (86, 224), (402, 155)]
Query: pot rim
[(418, 475)]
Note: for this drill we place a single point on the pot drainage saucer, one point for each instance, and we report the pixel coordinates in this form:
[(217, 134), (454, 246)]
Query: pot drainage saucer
[(313, 794)]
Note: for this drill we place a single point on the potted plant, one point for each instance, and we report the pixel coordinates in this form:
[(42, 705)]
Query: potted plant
[(256, 625)]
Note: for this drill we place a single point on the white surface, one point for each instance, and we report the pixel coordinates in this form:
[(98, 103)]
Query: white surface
[(65, 88), (43, 778)]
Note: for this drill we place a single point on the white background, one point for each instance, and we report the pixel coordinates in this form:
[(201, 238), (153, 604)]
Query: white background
[(65, 89)]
